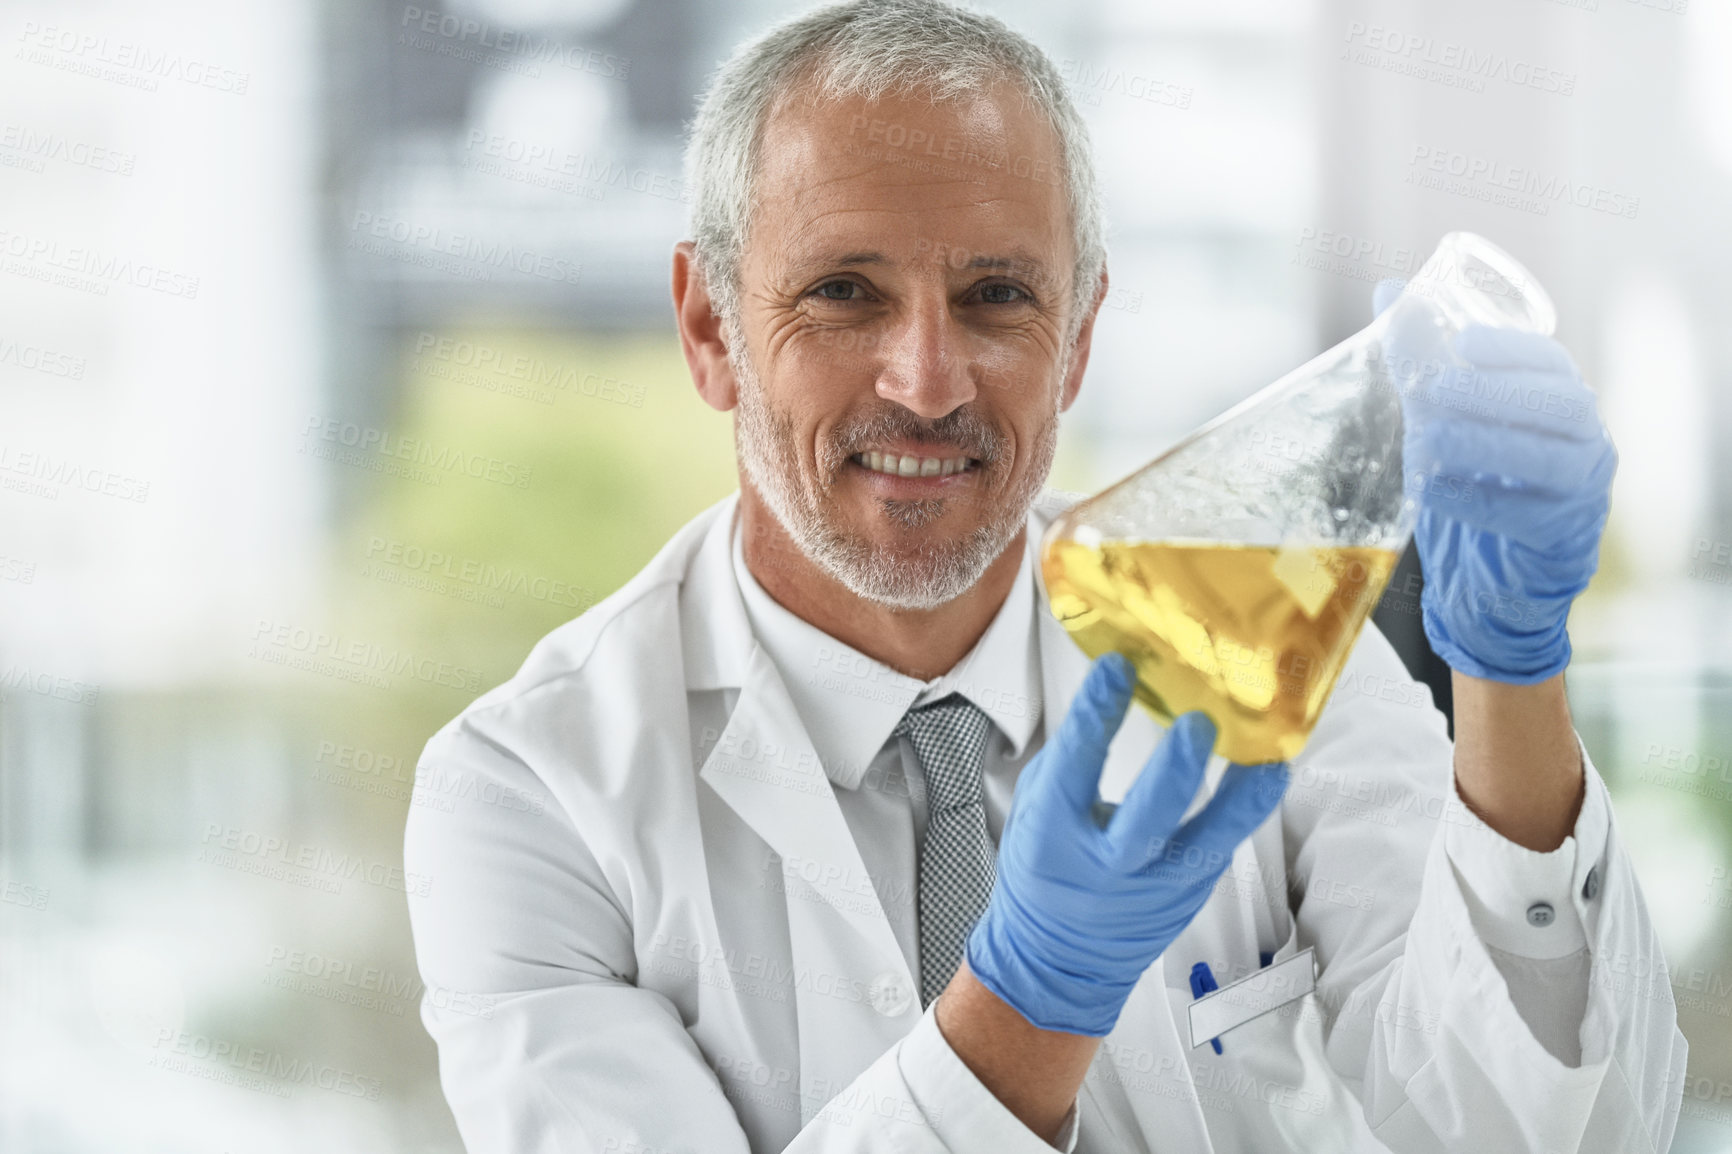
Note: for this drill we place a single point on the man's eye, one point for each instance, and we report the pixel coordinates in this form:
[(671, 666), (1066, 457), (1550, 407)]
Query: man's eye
[(1002, 294), (837, 290)]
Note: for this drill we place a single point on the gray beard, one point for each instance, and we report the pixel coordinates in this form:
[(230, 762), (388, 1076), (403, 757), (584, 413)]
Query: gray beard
[(936, 572)]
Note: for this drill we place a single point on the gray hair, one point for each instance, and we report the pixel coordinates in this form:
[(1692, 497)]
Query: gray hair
[(870, 48)]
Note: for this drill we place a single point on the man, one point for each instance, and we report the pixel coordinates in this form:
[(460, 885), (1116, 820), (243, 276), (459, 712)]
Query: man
[(777, 896)]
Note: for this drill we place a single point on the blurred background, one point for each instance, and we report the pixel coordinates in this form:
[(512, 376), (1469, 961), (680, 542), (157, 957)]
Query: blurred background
[(337, 366)]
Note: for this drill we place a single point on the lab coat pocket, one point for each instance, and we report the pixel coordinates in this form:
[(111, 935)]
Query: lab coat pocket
[(1271, 1087)]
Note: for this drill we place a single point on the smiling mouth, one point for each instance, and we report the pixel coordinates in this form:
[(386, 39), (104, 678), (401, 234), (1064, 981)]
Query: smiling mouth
[(904, 465)]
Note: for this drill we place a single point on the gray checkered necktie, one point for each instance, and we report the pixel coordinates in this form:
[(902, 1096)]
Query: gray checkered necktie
[(957, 861)]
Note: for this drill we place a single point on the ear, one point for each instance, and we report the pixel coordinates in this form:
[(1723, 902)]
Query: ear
[(700, 331), (1084, 338)]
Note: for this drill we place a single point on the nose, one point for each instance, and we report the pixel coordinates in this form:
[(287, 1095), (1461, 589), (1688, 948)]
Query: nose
[(925, 367)]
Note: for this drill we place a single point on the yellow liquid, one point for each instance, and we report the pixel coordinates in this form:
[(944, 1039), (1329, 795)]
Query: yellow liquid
[(1252, 635)]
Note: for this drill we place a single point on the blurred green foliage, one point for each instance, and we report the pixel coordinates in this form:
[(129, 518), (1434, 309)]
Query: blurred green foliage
[(625, 453)]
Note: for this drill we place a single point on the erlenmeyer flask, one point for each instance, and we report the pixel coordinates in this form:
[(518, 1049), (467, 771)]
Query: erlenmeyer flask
[(1237, 568)]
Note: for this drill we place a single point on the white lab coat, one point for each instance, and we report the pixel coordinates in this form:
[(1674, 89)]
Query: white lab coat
[(644, 929)]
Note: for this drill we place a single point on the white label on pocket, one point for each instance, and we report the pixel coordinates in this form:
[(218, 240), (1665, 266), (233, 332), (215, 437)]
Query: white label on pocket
[(1256, 994)]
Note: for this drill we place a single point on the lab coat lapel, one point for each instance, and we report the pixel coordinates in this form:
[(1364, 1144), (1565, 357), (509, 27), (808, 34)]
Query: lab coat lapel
[(849, 972)]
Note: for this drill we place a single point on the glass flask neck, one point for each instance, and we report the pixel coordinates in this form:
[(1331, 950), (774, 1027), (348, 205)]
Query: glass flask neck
[(1470, 280)]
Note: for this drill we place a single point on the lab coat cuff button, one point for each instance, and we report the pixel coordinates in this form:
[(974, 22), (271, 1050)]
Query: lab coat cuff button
[(890, 995)]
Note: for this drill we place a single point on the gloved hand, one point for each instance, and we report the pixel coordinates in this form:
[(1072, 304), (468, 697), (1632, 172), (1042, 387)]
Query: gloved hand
[(1505, 451), (1080, 910)]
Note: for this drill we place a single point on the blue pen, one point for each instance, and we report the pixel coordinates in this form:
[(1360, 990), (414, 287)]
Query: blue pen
[(1202, 981)]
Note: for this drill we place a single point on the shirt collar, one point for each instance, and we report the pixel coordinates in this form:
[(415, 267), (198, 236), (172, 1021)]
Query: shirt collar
[(850, 702)]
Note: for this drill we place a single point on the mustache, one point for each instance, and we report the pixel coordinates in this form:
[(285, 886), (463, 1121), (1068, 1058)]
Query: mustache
[(961, 428)]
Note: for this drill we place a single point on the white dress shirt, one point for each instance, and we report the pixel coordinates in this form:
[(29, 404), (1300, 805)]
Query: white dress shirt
[(850, 703)]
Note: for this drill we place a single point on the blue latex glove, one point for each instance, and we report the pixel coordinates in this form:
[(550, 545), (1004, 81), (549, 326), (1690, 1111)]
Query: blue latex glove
[(1506, 453), (1079, 909)]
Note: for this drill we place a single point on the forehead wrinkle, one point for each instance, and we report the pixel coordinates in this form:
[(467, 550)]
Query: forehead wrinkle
[(802, 159), (802, 186), (800, 249), (806, 260), (1009, 262)]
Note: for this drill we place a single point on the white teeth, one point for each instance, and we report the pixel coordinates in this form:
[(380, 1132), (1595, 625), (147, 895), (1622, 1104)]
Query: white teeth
[(905, 466)]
